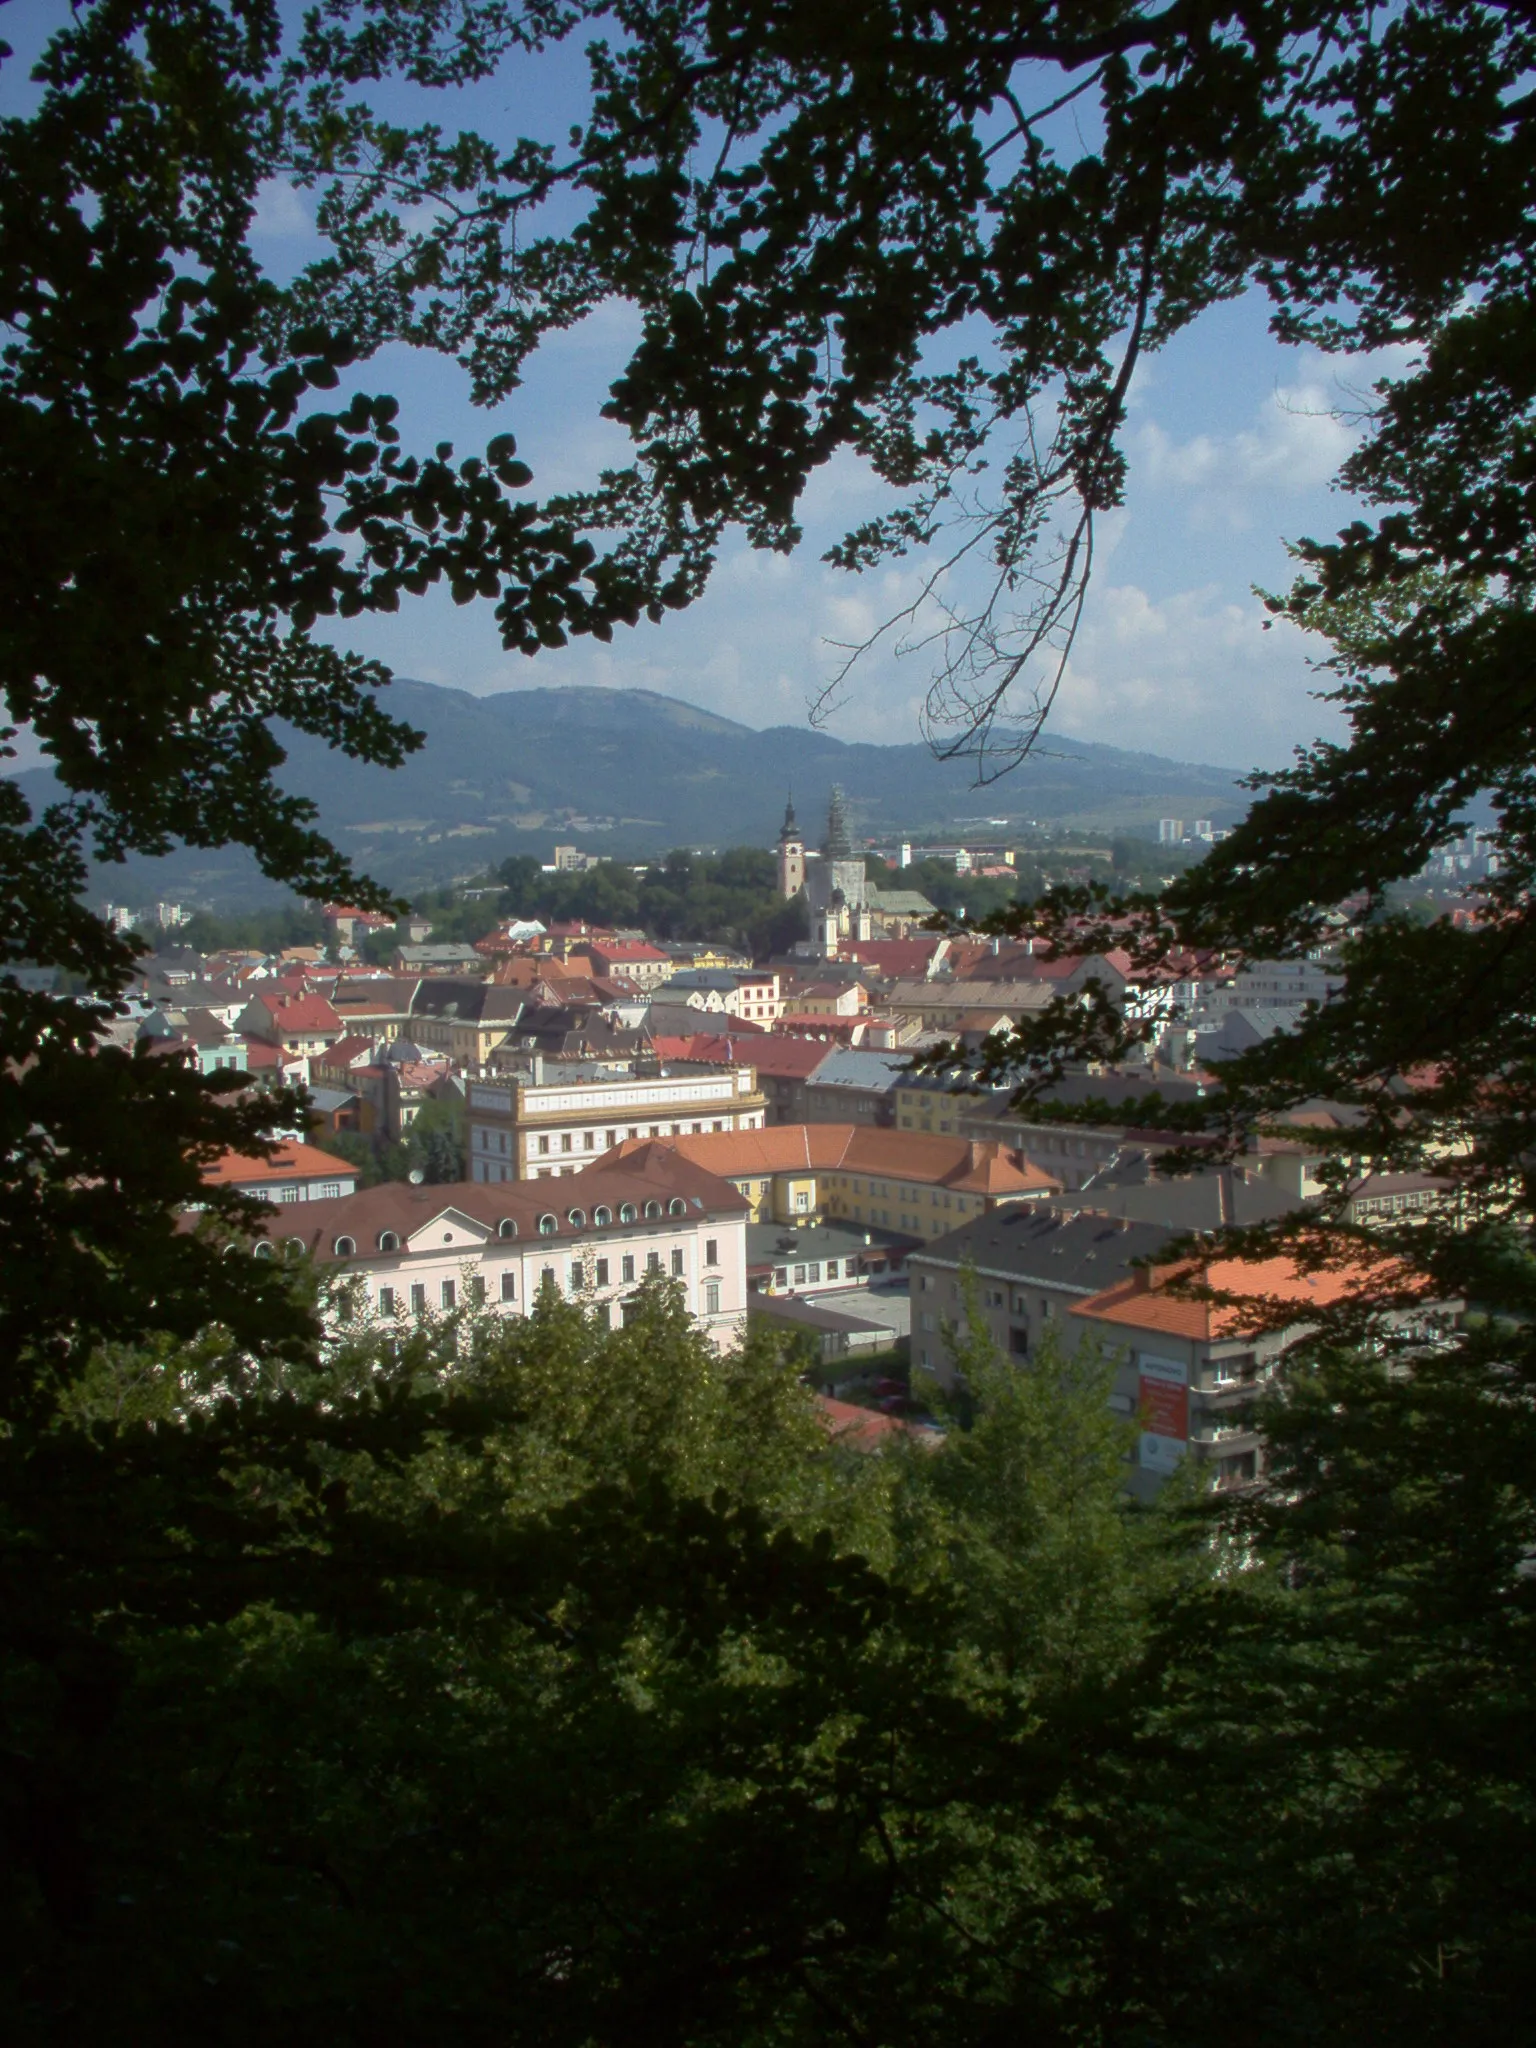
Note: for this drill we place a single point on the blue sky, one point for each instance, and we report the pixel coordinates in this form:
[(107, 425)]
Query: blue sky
[(1233, 442)]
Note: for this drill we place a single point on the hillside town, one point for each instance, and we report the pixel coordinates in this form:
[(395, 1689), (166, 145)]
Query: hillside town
[(761, 1132)]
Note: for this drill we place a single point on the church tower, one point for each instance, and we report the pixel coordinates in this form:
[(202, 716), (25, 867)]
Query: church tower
[(791, 853)]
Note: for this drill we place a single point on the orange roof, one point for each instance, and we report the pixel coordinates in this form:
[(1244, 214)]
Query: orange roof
[(855, 1428), (856, 1148), (289, 1160), (1267, 1286)]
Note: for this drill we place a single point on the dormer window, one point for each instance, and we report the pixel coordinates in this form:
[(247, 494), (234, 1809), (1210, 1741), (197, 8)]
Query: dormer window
[(389, 1241), (677, 1206), (653, 1208), (601, 1216), (262, 1250), (506, 1227), (346, 1248), (627, 1213), (577, 1219), (548, 1225)]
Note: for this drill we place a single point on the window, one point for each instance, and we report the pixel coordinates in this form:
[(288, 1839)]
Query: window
[(548, 1225), (578, 1276), (626, 1212), (612, 1138), (631, 1311), (677, 1206), (577, 1219), (928, 1320), (602, 1216), (506, 1227), (711, 1251), (799, 1276), (449, 1294), (388, 1241), (677, 1262), (711, 1297), (653, 1209), (813, 1272), (477, 1290), (802, 1199), (831, 1269), (346, 1247), (781, 1276), (387, 1301), (602, 1273), (653, 1262), (262, 1250), (627, 1266), (543, 1148), (418, 1298), (1018, 1340), (565, 1141), (544, 1173), (330, 1190), (590, 1141), (509, 1286), (547, 1279)]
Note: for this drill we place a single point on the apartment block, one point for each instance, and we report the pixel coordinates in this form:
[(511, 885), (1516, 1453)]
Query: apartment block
[(526, 1129)]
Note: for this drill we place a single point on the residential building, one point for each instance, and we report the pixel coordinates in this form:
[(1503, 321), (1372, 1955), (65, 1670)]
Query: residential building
[(411, 1252), (919, 1187), (633, 960), (813, 1258), (436, 959), (298, 1025), (465, 1019), (853, 1086), (751, 994), (966, 1005), (1187, 1368), (1029, 1265), (295, 1173), (1192, 1368), (529, 1127)]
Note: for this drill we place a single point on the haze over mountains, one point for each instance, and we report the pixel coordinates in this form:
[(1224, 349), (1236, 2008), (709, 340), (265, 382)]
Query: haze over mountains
[(631, 772)]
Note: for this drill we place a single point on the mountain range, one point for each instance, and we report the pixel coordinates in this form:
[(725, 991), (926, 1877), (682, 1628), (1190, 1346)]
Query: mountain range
[(631, 772)]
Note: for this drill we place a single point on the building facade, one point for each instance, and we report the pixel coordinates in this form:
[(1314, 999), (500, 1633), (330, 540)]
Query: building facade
[(397, 1254), (522, 1129)]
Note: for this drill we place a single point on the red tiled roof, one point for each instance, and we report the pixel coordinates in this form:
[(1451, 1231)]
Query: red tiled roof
[(859, 1148), (1266, 1286), (292, 1160)]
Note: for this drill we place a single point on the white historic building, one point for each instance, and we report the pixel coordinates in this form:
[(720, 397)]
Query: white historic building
[(547, 1130), (416, 1251)]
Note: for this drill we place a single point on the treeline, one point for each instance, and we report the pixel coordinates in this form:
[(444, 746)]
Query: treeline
[(541, 1674), (729, 898)]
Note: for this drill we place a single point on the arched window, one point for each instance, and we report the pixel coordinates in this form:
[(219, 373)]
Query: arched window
[(601, 1215), (548, 1225), (506, 1227), (389, 1241), (346, 1247), (653, 1208), (677, 1206), (577, 1219), (627, 1213), (293, 1248), (262, 1250)]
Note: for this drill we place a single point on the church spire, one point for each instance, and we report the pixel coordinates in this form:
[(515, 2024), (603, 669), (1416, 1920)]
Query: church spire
[(789, 829), (839, 846)]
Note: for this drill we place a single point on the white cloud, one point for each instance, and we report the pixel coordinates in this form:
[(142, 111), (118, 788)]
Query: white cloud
[(281, 213)]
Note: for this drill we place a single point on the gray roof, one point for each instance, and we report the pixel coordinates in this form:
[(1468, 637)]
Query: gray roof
[(469, 1002), (901, 903), (849, 1067), (794, 1308), (1193, 1201), (437, 956), (1049, 1246), (775, 1244), (329, 1100)]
